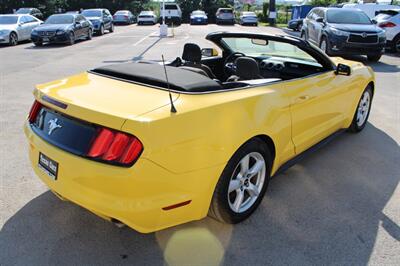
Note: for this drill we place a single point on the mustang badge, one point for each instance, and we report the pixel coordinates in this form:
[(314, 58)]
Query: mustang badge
[(53, 125)]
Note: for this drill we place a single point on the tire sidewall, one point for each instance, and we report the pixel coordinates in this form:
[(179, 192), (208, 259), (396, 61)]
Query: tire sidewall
[(13, 34), (354, 127), (225, 211)]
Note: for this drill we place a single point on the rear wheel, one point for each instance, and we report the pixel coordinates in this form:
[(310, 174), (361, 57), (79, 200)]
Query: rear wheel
[(13, 39), (362, 112), (374, 58), (111, 28), (242, 184)]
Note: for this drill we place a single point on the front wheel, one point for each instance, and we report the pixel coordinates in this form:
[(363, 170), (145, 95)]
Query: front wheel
[(362, 112), (101, 30), (374, 58), (396, 44), (89, 34), (324, 45), (13, 39), (242, 184), (303, 35), (111, 28), (71, 38)]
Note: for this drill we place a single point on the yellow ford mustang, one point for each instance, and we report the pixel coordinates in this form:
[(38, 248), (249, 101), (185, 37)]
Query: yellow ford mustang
[(152, 146)]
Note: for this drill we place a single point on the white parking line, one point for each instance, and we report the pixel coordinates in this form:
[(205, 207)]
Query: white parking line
[(144, 38)]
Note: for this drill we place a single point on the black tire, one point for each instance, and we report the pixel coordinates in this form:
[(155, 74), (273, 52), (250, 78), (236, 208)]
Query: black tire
[(396, 44), (327, 48), (111, 28), (298, 27), (13, 39), (71, 38), (374, 58), (38, 43), (101, 30), (220, 208), (303, 35), (355, 127), (89, 34)]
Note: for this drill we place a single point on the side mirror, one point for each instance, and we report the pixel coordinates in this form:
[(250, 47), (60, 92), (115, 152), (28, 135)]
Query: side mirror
[(209, 52), (320, 20), (342, 69)]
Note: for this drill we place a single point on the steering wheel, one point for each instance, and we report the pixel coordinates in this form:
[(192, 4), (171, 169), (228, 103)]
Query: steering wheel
[(229, 65)]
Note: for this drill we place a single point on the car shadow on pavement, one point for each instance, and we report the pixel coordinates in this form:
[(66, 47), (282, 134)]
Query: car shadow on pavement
[(324, 210)]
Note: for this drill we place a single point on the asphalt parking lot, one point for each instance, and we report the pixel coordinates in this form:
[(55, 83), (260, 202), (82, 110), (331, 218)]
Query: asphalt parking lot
[(339, 206)]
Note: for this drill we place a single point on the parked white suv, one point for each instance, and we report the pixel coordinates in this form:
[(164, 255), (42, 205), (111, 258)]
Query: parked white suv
[(389, 20), (173, 13)]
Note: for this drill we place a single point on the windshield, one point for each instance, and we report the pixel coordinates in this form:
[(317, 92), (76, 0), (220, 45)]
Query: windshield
[(8, 20), (198, 13), (343, 16), (60, 19), (91, 13), (121, 13), (252, 47), (225, 11), (23, 11)]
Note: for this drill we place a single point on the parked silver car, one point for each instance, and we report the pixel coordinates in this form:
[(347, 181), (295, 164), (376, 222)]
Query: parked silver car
[(124, 17), (389, 20), (248, 18), (15, 28)]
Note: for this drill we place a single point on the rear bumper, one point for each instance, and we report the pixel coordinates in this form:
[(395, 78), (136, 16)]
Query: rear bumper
[(198, 21), (225, 21), (135, 196)]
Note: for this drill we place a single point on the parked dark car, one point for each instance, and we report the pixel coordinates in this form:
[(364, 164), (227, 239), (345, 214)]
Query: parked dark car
[(62, 28), (30, 11), (101, 19), (298, 14), (225, 16), (340, 31), (198, 17)]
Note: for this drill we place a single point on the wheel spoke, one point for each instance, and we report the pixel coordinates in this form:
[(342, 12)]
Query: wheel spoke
[(244, 165), (238, 201), (253, 190), (234, 185), (256, 168)]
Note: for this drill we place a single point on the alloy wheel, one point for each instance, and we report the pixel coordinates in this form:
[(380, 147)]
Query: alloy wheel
[(13, 39), (246, 182), (363, 108)]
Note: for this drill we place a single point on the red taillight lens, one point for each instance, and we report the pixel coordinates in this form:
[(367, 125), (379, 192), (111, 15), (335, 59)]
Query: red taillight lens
[(35, 109), (387, 25), (115, 147)]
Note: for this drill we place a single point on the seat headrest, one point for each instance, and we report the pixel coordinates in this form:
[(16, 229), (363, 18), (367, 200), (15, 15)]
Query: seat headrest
[(247, 68), (191, 53)]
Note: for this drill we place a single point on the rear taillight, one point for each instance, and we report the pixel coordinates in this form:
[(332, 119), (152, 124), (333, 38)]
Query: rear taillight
[(387, 25), (35, 109), (115, 147)]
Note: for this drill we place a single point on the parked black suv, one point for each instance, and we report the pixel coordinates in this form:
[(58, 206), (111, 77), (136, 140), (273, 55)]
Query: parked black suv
[(340, 31), (101, 19), (30, 11)]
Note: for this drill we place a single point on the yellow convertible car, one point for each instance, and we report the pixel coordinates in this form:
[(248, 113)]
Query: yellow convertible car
[(152, 146)]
